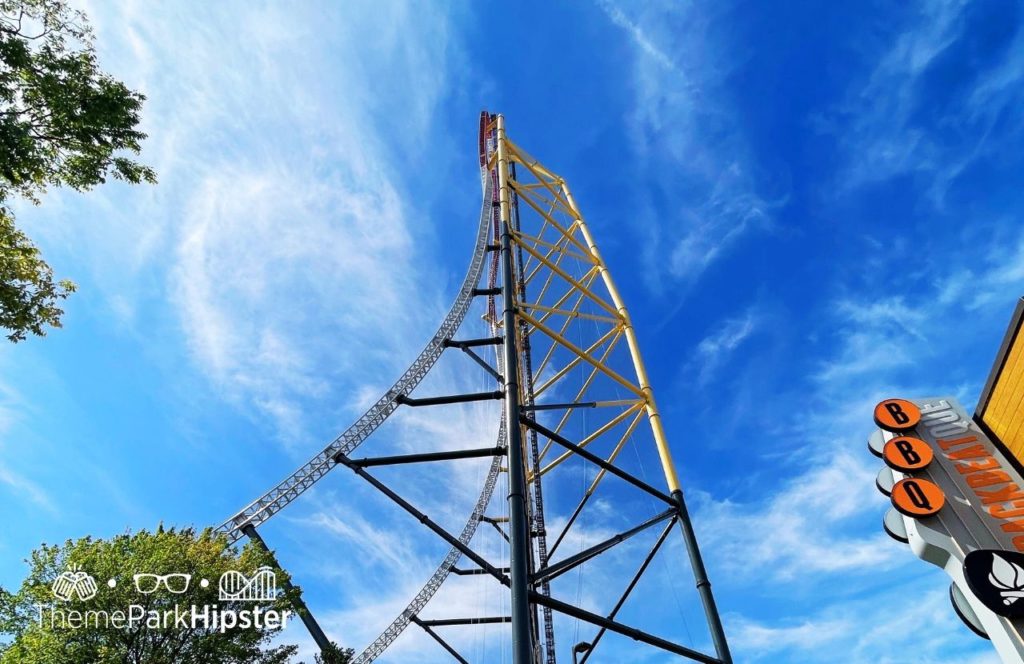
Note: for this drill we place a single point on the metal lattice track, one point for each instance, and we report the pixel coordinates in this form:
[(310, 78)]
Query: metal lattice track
[(273, 501), (392, 632), (433, 584)]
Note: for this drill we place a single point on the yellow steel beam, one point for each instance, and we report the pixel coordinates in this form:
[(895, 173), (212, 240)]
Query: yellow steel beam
[(531, 185), (545, 177), (531, 275), (520, 235), (575, 360), (587, 279), (614, 402), (565, 275), (611, 424), (538, 195), (554, 346), (657, 428), (611, 457), (579, 395), (536, 188), (566, 231), (571, 314), (615, 452), (540, 236), (586, 357), (536, 270), (530, 258), (551, 220)]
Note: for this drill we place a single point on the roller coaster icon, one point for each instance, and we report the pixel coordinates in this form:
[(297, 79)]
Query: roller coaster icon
[(261, 586)]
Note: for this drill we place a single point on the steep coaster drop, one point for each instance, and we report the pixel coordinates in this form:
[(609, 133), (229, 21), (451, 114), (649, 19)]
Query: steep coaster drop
[(549, 296)]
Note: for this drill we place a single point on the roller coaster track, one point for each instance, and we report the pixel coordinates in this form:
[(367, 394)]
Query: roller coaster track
[(286, 491), (572, 318), (430, 588)]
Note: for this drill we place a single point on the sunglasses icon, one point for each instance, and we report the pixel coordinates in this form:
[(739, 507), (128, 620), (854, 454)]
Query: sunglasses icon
[(150, 583)]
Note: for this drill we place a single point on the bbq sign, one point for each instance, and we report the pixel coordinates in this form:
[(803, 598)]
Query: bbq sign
[(955, 484), (947, 455), (957, 501)]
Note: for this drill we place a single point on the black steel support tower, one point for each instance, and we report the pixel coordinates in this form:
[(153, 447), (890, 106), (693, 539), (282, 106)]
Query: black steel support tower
[(552, 250), (518, 526)]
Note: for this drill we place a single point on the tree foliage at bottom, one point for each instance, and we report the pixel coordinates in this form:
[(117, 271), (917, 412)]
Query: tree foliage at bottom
[(38, 629)]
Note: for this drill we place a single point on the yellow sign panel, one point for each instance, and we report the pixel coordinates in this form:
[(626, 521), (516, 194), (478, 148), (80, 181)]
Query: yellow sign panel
[(1001, 407)]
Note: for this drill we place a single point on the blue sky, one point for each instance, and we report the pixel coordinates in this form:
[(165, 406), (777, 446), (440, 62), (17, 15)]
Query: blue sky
[(808, 207)]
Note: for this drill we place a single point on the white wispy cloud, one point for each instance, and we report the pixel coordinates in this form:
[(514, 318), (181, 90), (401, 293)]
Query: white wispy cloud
[(803, 528), (274, 271), (879, 125), (994, 280), (280, 226), (868, 631), (761, 639), (878, 140), (366, 541), (715, 349), (876, 336), (11, 405), (680, 125), (22, 487), (727, 214), (821, 524), (637, 34)]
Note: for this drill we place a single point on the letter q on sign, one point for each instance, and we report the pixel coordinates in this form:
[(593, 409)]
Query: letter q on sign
[(917, 498)]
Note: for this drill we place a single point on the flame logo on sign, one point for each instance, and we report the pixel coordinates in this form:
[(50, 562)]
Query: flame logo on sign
[(1008, 576)]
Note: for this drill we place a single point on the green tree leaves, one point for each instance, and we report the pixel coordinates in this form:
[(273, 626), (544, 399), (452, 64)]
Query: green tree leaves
[(28, 293), (62, 122), (164, 552)]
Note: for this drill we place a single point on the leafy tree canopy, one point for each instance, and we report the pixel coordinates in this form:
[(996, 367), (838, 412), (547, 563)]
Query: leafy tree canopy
[(38, 629), (62, 122)]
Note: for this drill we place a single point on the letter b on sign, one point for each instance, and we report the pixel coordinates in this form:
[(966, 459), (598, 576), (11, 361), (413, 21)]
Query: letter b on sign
[(897, 415), (896, 412), (907, 454)]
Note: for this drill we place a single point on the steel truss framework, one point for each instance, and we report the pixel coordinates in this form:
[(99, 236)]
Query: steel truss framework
[(574, 391)]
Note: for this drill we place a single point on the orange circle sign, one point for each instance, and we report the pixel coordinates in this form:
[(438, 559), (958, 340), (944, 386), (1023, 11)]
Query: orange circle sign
[(897, 415), (907, 454), (917, 498)]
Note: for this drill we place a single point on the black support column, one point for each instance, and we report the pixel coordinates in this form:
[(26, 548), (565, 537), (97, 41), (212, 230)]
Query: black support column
[(701, 577), (308, 620), (519, 535)]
